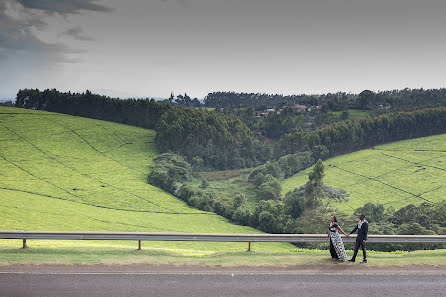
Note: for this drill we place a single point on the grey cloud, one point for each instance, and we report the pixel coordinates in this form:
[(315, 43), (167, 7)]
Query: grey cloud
[(17, 37), (64, 6), (17, 43), (78, 33)]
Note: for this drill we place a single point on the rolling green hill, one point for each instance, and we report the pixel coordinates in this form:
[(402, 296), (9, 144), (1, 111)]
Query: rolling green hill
[(396, 174), (60, 172)]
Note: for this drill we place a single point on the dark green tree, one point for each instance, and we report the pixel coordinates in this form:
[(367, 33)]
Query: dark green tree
[(315, 186), (366, 97)]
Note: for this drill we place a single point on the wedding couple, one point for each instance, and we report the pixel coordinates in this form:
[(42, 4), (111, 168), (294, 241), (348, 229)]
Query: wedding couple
[(337, 249)]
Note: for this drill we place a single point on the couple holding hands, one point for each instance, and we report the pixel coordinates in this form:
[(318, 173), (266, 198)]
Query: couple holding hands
[(337, 249)]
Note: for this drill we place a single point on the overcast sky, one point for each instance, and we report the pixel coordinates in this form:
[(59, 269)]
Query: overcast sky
[(150, 48)]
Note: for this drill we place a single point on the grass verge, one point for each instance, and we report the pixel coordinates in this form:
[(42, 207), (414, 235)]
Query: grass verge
[(125, 253)]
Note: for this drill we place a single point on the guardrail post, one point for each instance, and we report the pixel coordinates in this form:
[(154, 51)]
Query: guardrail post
[(24, 243), (249, 246), (139, 245)]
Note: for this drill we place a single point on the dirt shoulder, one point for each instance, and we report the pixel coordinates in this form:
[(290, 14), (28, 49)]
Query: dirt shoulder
[(184, 269)]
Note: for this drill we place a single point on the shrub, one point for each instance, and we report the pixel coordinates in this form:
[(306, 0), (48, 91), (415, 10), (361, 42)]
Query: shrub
[(185, 193), (176, 166), (241, 215), (169, 173), (204, 184), (160, 178), (373, 212), (294, 203), (222, 207), (239, 200), (266, 192), (284, 167), (284, 224)]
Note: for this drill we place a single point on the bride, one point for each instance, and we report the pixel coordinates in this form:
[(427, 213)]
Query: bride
[(337, 249)]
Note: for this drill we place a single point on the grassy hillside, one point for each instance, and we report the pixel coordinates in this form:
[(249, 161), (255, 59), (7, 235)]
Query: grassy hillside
[(396, 174), (60, 172)]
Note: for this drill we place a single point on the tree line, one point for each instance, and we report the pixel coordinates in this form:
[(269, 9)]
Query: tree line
[(207, 139), (8, 103), (398, 100), (351, 135), (136, 112)]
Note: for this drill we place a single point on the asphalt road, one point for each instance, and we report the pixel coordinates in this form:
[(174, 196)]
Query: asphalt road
[(220, 284)]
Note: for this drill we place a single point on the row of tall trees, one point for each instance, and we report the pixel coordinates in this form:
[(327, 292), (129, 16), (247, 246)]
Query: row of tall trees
[(261, 101), (351, 135), (136, 112), (406, 99), (8, 103)]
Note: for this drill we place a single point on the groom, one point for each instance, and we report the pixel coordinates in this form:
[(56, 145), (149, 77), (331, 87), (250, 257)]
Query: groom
[(363, 228)]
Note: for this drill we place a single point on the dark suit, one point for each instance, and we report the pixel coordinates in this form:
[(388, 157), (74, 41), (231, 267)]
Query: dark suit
[(361, 240)]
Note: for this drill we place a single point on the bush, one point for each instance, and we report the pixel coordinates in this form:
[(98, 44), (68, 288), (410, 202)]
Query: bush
[(273, 169), (263, 206), (267, 192), (169, 173), (160, 178), (222, 207), (239, 200), (374, 212), (414, 229), (284, 167), (202, 202), (204, 184), (197, 163), (241, 215), (294, 202), (284, 224), (266, 221), (185, 193), (175, 165)]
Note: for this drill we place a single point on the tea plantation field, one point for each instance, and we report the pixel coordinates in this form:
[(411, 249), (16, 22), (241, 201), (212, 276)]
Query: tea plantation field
[(60, 172), (396, 174)]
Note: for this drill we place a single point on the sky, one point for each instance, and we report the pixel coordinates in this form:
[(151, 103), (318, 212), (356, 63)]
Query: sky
[(150, 48)]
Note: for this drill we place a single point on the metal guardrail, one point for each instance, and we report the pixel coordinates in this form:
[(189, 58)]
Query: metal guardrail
[(152, 236)]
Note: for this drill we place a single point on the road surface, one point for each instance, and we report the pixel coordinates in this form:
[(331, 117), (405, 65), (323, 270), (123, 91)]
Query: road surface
[(238, 284)]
